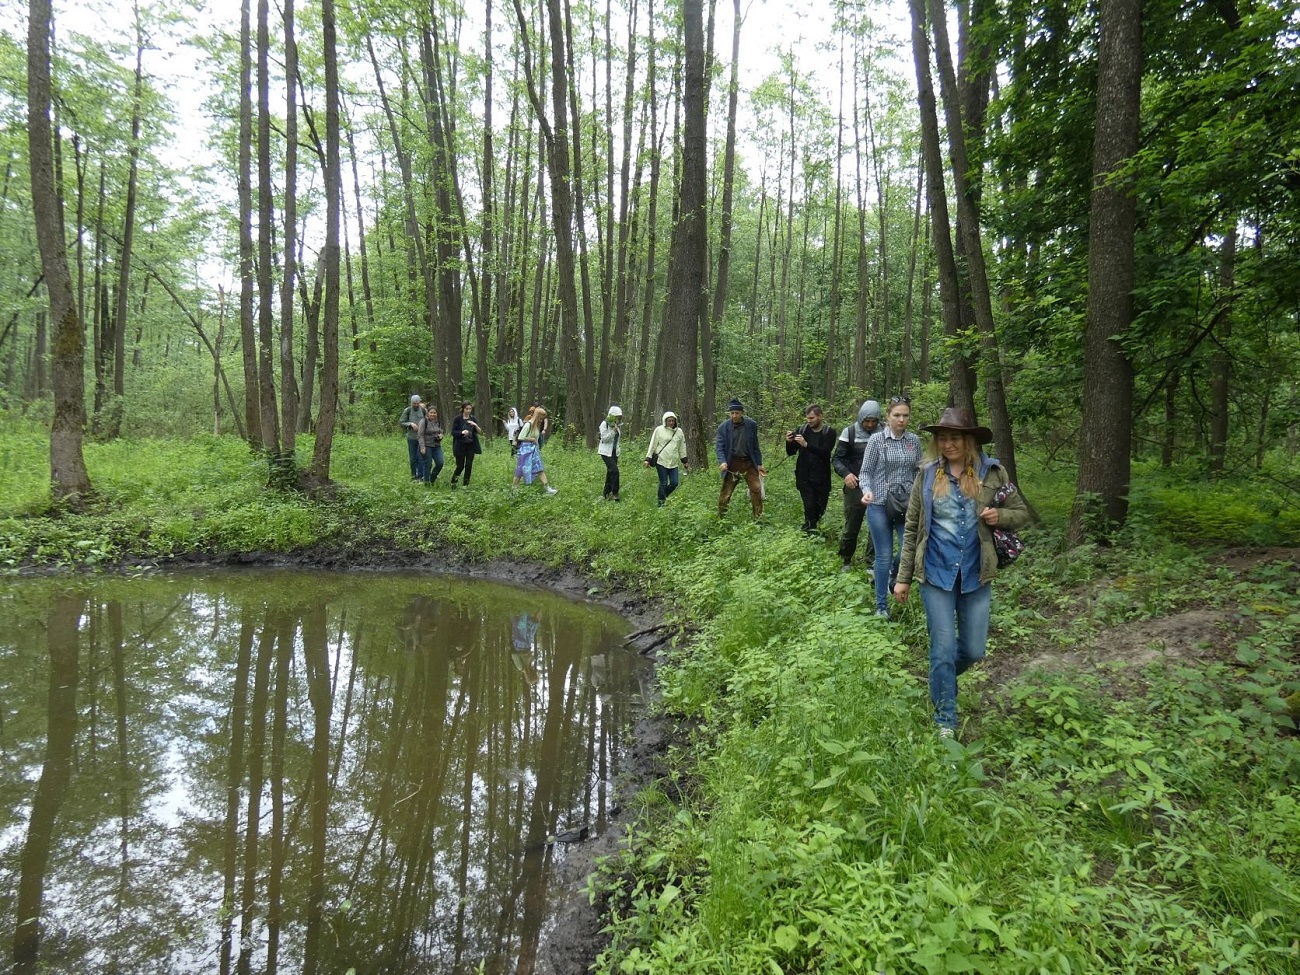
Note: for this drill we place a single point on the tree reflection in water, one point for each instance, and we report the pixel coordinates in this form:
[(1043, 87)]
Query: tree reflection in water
[(305, 772)]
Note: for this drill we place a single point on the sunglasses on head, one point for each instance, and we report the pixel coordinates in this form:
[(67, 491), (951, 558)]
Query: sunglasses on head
[(896, 400)]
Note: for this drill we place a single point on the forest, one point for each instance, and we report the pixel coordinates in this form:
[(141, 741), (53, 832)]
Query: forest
[(1059, 211), (236, 239)]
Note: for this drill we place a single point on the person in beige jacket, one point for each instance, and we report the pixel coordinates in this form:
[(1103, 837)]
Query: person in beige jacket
[(666, 453), (948, 550)]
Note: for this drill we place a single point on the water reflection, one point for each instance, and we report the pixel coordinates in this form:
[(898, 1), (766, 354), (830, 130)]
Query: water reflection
[(297, 772)]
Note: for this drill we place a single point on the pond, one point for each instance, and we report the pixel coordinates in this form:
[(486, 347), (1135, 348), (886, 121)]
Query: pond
[(298, 771)]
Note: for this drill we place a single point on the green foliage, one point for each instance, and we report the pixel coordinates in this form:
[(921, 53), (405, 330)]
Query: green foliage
[(1138, 819)]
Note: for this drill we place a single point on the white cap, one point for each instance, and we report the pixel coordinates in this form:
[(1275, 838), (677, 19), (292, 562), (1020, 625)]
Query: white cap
[(615, 411)]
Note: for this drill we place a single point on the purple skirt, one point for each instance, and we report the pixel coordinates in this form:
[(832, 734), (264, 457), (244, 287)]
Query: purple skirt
[(529, 462)]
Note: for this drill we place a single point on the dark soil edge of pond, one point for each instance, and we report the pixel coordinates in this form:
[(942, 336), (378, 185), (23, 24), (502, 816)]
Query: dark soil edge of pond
[(574, 935)]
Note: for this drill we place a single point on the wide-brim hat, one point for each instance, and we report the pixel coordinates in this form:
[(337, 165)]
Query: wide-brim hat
[(960, 421)]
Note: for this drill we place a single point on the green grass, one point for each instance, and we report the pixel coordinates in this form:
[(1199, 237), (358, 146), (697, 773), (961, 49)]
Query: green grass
[(1112, 820)]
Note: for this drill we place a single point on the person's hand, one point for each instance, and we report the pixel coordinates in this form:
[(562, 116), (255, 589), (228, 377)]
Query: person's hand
[(762, 470), (989, 516), (723, 467), (901, 589), (421, 451), (798, 438), (789, 435), (645, 461), (867, 497), (851, 481)]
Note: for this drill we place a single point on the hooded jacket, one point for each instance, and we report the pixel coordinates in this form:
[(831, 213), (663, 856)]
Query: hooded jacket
[(852, 443), (669, 443)]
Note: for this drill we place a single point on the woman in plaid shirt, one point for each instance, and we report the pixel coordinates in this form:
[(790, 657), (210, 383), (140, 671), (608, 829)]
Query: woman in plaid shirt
[(892, 457)]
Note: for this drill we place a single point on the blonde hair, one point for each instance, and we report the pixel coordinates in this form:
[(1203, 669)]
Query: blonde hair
[(969, 480)]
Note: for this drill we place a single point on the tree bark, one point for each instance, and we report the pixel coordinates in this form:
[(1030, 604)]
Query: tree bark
[(289, 242), (329, 373), (968, 225), (961, 379), (247, 282), (684, 301), (1101, 497), (68, 476), (556, 137), (1221, 365), (266, 232)]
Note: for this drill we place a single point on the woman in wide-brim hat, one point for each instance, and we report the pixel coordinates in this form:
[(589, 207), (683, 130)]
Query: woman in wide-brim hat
[(948, 550)]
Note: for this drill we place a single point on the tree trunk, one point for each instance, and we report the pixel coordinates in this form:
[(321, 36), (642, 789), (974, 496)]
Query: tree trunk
[(686, 263), (722, 278), (1101, 498), (1221, 365), (961, 380), (68, 476), (289, 244), (329, 373), (266, 233), (968, 226), (557, 161), (247, 284)]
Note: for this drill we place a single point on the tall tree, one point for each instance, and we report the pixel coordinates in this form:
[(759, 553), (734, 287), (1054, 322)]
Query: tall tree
[(685, 298), (1101, 498), (68, 476), (113, 425), (329, 374), (556, 136)]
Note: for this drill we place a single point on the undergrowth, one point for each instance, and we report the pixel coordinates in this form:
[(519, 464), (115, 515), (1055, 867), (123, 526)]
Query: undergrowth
[(1114, 820)]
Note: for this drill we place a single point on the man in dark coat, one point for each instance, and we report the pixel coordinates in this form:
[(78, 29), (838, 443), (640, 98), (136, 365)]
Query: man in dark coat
[(813, 442), (847, 461), (739, 458)]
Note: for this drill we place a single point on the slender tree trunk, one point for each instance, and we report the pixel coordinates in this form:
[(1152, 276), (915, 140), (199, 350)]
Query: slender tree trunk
[(68, 476), (266, 232), (1101, 499), (247, 282), (969, 227), (329, 374), (961, 380), (684, 301), (905, 380), (722, 279), (627, 223), (1221, 365), (289, 243)]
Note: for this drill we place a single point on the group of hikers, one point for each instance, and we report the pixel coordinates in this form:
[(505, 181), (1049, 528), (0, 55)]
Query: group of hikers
[(930, 513)]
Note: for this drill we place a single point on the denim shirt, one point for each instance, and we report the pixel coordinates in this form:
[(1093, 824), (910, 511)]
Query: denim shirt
[(954, 549)]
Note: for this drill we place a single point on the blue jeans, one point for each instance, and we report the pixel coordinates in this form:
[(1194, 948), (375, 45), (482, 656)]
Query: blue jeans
[(433, 461), (413, 452), (882, 539), (959, 630), (667, 481)]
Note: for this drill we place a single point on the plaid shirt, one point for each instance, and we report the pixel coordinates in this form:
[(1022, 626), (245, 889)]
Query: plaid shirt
[(889, 460)]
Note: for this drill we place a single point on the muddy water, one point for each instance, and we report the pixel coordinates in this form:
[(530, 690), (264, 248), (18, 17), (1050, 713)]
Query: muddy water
[(288, 771)]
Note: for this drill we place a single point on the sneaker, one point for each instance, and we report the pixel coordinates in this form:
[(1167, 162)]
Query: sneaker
[(882, 614), (846, 567), (946, 733), (551, 490)]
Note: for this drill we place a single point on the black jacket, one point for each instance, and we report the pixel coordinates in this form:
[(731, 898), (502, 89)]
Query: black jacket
[(813, 468)]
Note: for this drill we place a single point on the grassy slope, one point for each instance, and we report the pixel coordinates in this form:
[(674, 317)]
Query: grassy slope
[(1135, 821)]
